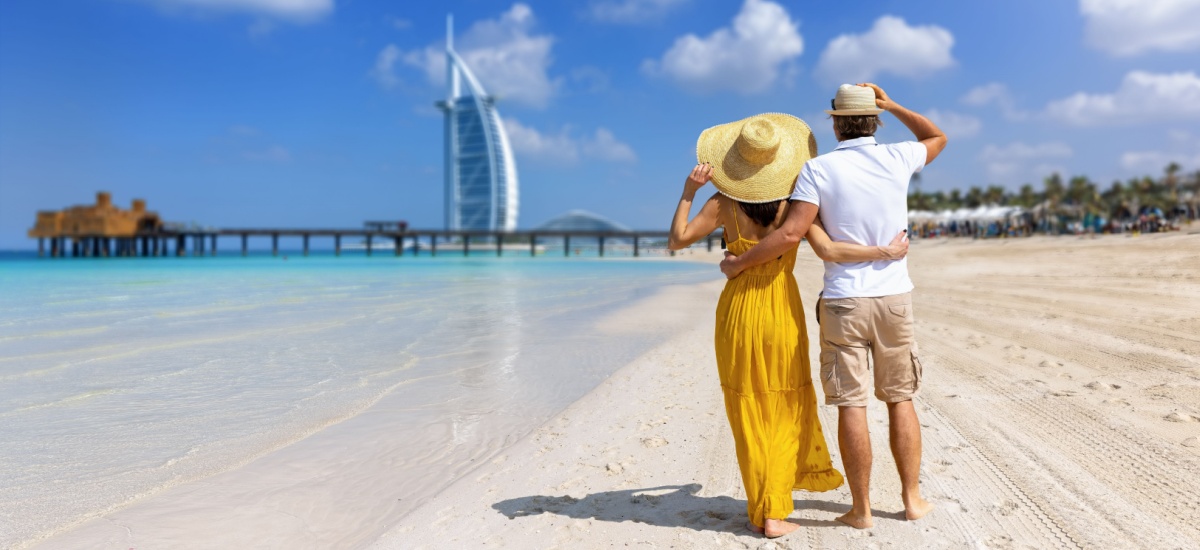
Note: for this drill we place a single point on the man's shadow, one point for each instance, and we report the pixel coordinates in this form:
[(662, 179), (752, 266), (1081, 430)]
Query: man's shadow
[(665, 506)]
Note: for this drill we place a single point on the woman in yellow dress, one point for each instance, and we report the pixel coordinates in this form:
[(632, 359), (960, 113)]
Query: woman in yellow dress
[(761, 338)]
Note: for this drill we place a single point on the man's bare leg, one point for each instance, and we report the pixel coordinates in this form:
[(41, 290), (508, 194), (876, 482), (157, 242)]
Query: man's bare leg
[(905, 432), (854, 440)]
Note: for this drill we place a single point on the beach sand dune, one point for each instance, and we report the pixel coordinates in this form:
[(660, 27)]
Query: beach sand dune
[(1061, 410)]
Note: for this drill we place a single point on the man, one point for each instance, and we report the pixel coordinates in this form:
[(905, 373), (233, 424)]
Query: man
[(861, 189)]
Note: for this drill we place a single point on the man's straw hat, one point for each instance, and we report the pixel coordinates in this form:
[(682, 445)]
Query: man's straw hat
[(757, 159), (854, 100)]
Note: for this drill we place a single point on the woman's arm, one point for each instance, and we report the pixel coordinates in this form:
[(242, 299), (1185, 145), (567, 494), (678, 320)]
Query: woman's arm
[(683, 232), (831, 251)]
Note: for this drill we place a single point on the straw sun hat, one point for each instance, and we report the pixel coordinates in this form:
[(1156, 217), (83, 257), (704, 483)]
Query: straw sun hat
[(854, 100), (757, 159)]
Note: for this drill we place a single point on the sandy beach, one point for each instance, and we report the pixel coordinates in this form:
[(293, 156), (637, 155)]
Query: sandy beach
[(1061, 409)]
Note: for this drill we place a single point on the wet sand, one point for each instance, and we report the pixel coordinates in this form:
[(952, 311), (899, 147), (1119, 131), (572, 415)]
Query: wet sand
[(1061, 409)]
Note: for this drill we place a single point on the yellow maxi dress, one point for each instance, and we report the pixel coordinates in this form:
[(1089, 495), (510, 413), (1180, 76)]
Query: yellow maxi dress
[(762, 358)]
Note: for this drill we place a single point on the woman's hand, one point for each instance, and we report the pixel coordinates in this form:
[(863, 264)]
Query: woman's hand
[(700, 175), (898, 248)]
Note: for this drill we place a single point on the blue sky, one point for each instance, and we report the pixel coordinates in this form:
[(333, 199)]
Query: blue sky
[(319, 113)]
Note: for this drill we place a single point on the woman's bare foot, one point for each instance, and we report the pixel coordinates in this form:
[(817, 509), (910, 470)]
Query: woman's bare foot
[(776, 528), (917, 508), (857, 520)]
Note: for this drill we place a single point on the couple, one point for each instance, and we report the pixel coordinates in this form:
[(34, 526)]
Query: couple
[(860, 192)]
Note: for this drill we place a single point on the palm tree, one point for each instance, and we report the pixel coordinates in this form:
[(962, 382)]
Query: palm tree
[(1027, 197), (974, 197), (994, 195), (1171, 182)]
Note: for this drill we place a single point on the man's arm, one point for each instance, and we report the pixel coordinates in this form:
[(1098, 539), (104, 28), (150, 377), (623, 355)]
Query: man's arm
[(924, 129), (799, 217)]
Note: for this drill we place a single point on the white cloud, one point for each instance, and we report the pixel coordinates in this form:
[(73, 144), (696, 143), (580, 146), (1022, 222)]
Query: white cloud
[(1021, 163), (1183, 149), (891, 46), (746, 57), (384, 71), (997, 94), (603, 145), (1142, 97), (1131, 27), (562, 148), (631, 11), (299, 11), (955, 125), (508, 59)]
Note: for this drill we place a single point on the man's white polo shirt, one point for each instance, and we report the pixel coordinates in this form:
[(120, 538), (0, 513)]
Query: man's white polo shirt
[(862, 189)]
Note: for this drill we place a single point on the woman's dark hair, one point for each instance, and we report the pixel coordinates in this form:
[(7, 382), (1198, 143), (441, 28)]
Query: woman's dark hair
[(856, 126), (762, 213)]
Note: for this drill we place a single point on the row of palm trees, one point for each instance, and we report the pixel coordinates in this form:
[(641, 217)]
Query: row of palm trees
[(1076, 197)]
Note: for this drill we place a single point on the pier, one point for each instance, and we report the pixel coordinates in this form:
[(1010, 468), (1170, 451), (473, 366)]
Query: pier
[(167, 242)]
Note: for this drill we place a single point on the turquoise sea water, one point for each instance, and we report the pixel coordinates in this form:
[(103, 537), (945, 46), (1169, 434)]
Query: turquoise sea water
[(121, 377)]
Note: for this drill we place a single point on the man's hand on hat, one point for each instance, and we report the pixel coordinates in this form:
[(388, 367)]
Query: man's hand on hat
[(700, 175), (881, 98)]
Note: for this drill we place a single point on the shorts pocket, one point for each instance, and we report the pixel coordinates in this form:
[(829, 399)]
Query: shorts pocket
[(899, 313), (918, 369), (829, 378), (840, 306)]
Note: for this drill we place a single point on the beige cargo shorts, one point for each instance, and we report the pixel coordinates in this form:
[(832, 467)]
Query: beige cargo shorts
[(859, 335)]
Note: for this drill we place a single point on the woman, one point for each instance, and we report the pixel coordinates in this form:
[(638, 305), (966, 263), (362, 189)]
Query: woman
[(761, 339)]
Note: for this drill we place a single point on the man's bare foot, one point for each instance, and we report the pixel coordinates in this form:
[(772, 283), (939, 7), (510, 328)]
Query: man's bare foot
[(917, 509), (751, 526), (776, 528), (857, 520)]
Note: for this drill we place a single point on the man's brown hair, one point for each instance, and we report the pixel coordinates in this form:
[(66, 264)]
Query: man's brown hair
[(856, 126)]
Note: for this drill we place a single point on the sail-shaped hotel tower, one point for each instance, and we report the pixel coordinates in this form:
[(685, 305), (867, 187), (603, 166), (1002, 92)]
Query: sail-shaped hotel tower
[(481, 177)]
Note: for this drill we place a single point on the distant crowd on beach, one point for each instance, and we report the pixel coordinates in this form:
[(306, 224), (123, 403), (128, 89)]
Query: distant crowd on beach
[(1021, 223)]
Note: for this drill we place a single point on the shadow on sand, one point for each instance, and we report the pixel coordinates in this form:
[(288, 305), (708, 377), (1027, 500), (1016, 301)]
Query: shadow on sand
[(665, 506)]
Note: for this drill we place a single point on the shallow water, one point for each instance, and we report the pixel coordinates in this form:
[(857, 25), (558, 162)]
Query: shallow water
[(121, 377)]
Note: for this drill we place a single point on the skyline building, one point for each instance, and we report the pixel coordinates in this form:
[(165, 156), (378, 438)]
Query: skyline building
[(480, 173)]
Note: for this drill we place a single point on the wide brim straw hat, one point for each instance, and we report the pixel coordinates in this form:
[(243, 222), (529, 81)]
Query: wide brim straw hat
[(757, 159), (852, 100)]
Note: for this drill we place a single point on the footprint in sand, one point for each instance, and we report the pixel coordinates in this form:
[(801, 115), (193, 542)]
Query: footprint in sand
[(1177, 416), (653, 442), (614, 468), (1006, 508), (1098, 385), (1046, 364), (1121, 402), (1063, 393), (1191, 442)]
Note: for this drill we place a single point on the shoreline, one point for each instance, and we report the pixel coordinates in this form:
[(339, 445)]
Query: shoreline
[(341, 486)]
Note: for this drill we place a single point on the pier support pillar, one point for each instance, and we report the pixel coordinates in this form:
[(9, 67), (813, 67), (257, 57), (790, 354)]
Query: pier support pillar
[(635, 246), (566, 246), (274, 244), (214, 244), (708, 242), (180, 245), (41, 247), (601, 246), (532, 245), (74, 248), (433, 245), (466, 245), (306, 244), (399, 245), (368, 244), (499, 245), (245, 238), (416, 245), (198, 245), (337, 244)]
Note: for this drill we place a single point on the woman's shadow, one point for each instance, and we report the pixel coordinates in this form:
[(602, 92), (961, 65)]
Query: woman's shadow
[(665, 506)]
